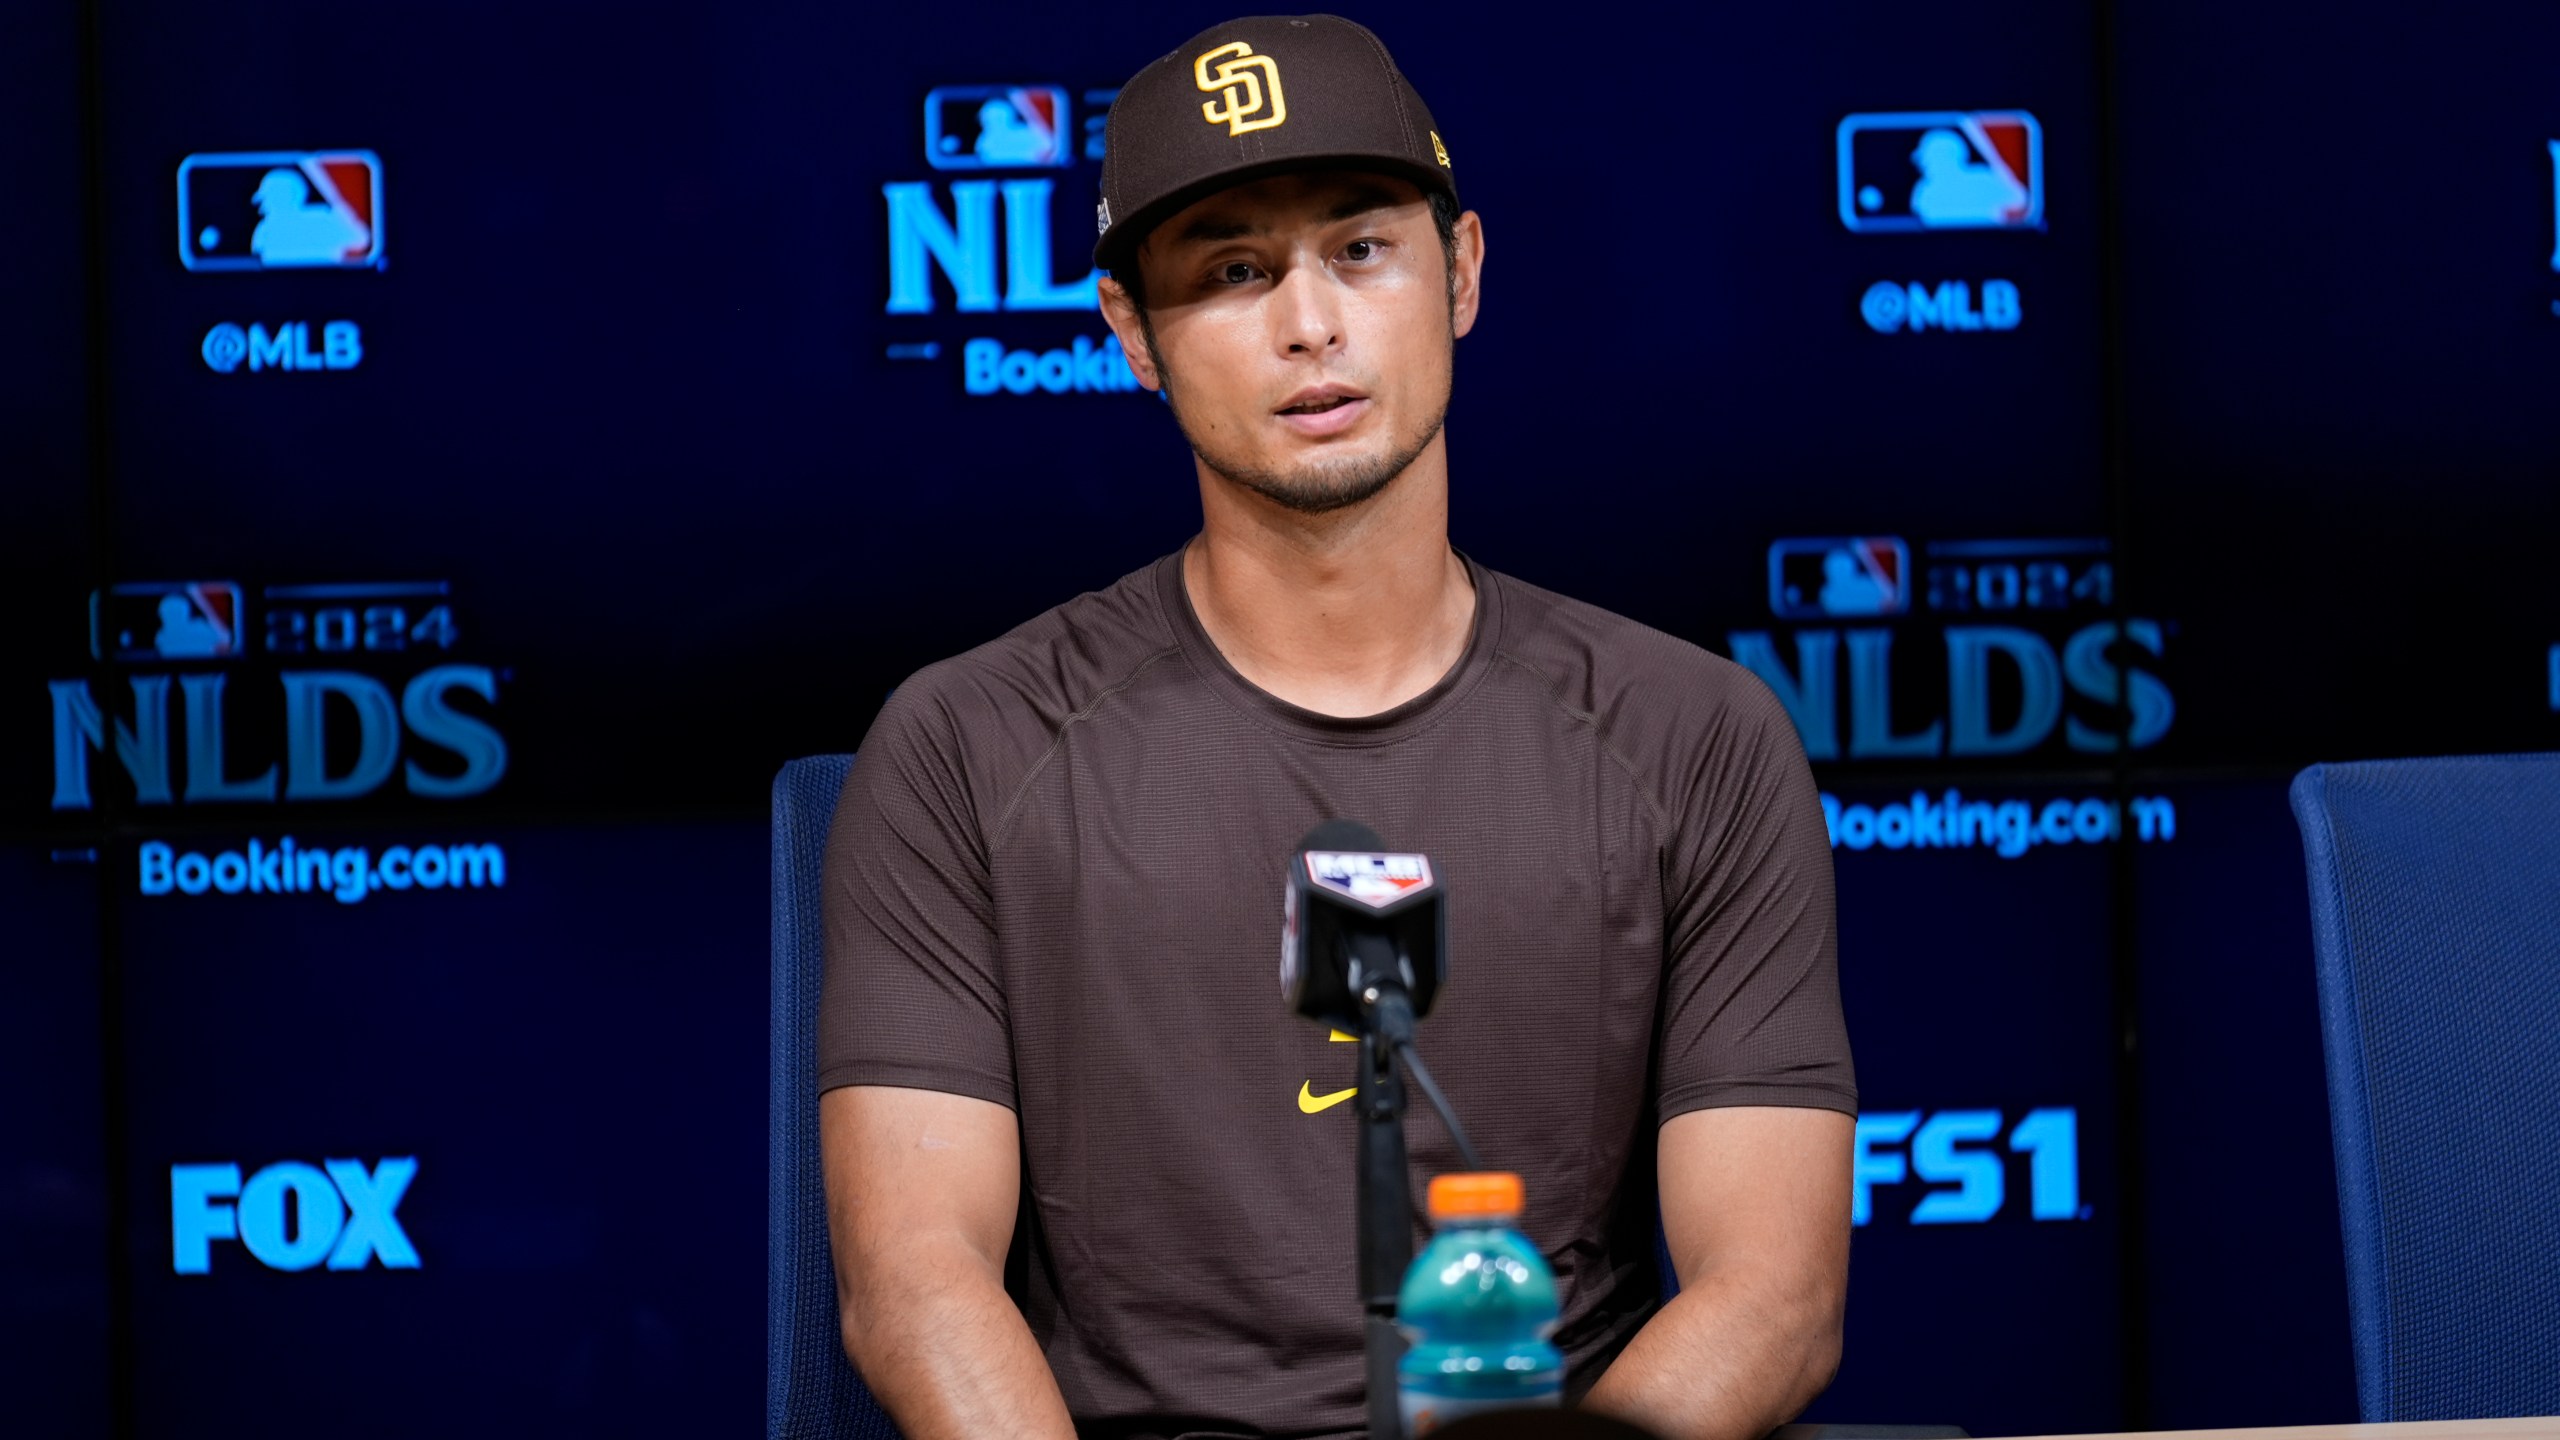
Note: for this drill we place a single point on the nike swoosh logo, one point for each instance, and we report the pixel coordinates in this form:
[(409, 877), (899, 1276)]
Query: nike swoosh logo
[(1310, 1102)]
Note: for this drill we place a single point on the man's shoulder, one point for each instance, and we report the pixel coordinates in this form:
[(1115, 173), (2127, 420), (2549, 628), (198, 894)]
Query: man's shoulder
[(1599, 661), (1662, 703), (1010, 697)]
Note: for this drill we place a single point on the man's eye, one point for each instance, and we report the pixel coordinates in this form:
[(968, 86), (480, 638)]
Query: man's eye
[(1360, 250), (1235, 272)]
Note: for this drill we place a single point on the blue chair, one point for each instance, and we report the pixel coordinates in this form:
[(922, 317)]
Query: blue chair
[(810, 1390), (2435, 912)]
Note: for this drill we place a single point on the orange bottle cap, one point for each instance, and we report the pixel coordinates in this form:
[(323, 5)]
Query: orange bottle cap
[(1458, 1197)]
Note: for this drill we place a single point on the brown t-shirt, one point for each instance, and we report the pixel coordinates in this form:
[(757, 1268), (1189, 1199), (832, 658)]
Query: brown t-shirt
[(1055, 884)]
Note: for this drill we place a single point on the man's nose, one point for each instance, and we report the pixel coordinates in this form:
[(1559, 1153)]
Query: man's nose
[(1308, 318)]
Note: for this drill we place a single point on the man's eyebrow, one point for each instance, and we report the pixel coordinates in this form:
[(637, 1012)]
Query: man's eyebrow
[(1208, 229), (1361, 201)]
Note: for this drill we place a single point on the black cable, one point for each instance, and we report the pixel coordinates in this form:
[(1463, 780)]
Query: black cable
[(1431, 1091)]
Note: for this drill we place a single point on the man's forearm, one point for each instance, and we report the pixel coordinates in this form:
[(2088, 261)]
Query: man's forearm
[(945, 1350), (1730, 1358)]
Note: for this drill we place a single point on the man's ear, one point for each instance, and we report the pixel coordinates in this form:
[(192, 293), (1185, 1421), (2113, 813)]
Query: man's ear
[(1466, 272), (1120, 312)]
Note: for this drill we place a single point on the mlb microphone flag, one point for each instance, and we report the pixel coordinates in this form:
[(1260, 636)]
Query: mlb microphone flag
[(1372, 879), (1356, 916)]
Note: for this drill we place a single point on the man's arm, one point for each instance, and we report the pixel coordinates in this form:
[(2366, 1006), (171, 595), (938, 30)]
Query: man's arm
[(1755, 1206), (922, 1190)]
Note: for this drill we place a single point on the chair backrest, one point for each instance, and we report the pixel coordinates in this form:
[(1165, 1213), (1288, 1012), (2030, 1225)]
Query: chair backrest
[(2435, 912), (810, 1390)]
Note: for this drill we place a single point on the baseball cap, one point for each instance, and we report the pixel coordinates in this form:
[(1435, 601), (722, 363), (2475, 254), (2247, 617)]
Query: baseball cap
[(1253, 97)]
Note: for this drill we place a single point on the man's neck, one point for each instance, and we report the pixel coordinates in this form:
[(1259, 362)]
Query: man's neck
[(1348, 613)]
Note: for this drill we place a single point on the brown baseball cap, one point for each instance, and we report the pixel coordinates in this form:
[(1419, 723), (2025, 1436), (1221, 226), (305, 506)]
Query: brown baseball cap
[(1255, 97)]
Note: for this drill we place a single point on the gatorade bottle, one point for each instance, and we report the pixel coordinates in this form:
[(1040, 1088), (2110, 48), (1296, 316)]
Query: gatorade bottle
[(1478, 1305)]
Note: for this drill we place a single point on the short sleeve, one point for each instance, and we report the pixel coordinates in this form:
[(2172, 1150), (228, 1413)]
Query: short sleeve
[(911, 995), (1751, 1002)]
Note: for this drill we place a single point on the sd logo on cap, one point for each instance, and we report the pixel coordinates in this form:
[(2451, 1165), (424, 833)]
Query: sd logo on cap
[(1247, 86), (1343, 105)]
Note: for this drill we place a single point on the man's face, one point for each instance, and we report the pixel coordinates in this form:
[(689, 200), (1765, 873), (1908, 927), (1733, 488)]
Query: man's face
[(1303, 327)]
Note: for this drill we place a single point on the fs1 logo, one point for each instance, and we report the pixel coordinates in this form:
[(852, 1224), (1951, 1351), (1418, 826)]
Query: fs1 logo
[(280, 209), (996, 127), (341, 1214), (1941, 170), (1812, 579), (201, 620), (1960, 1148)]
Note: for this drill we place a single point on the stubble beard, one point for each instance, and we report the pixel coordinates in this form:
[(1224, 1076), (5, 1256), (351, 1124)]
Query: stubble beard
[(1319, 486)]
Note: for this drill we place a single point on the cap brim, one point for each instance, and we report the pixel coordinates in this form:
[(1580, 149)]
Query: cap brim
[(1119, 248)]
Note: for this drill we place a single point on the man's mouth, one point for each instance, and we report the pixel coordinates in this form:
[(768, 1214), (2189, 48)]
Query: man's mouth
[(1319, 405), (1320, 412)]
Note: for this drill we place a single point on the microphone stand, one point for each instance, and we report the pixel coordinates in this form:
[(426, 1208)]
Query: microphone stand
[(1386, 1213), (1381, 972)]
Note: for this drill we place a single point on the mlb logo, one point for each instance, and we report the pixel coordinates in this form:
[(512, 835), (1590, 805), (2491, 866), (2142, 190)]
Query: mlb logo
[(996, 127), (1373, 880), (172, 620), (1828, 579), (280, 209), (1942, 170)]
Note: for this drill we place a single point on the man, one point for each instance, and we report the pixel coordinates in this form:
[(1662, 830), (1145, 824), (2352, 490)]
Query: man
[(1050, 1012)]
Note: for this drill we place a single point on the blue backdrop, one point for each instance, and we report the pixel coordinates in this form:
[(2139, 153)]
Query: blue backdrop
[(668, 389)]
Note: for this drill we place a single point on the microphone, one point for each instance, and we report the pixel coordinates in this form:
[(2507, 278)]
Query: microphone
[(1361, 939), (1363, 950)]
